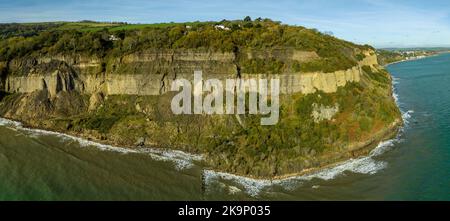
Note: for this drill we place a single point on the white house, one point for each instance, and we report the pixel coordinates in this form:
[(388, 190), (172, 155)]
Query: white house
[(222, 27), (113, 38)]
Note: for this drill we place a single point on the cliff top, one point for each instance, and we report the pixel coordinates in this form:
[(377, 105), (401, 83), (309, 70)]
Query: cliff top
[(112, 40)]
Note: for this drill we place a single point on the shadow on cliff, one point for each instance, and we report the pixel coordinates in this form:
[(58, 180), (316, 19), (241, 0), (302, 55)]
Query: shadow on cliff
[(3, 95)]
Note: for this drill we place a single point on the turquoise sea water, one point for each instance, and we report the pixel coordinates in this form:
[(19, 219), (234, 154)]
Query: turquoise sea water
[(415, 166)]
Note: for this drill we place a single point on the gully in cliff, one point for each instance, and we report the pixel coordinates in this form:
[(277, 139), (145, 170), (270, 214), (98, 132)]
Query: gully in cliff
[(259, 101)]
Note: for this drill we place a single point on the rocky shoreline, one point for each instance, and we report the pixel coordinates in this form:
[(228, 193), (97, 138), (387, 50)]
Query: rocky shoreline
[(329, 161), (180, 158)]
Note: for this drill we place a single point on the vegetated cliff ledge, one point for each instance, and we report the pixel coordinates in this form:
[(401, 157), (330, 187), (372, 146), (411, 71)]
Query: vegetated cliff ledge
[(328, 113)]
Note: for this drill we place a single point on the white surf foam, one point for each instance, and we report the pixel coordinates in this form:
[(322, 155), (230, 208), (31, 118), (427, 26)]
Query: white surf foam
[(395, 81), (407, 116), (251, 186), (7, 122), (181, 159)]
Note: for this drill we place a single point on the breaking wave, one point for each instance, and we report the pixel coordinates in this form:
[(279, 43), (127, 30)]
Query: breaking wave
[(181, 159)]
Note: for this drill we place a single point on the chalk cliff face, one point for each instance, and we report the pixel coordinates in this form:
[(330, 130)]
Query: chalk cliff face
[(151, 73)]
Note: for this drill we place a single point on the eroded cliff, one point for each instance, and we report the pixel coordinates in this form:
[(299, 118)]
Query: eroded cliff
[(151, 73), (335, 103), (129, 100)]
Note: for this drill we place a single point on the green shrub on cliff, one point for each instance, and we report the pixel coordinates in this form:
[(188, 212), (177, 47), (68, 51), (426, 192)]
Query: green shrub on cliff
[(327, 64), (25, 30), (380, 76), (262, 66)]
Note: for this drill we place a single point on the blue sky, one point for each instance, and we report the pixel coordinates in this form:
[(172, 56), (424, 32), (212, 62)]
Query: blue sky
[(382, 23)]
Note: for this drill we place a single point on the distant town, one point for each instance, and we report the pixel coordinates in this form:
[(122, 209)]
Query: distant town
[(393, 55)]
